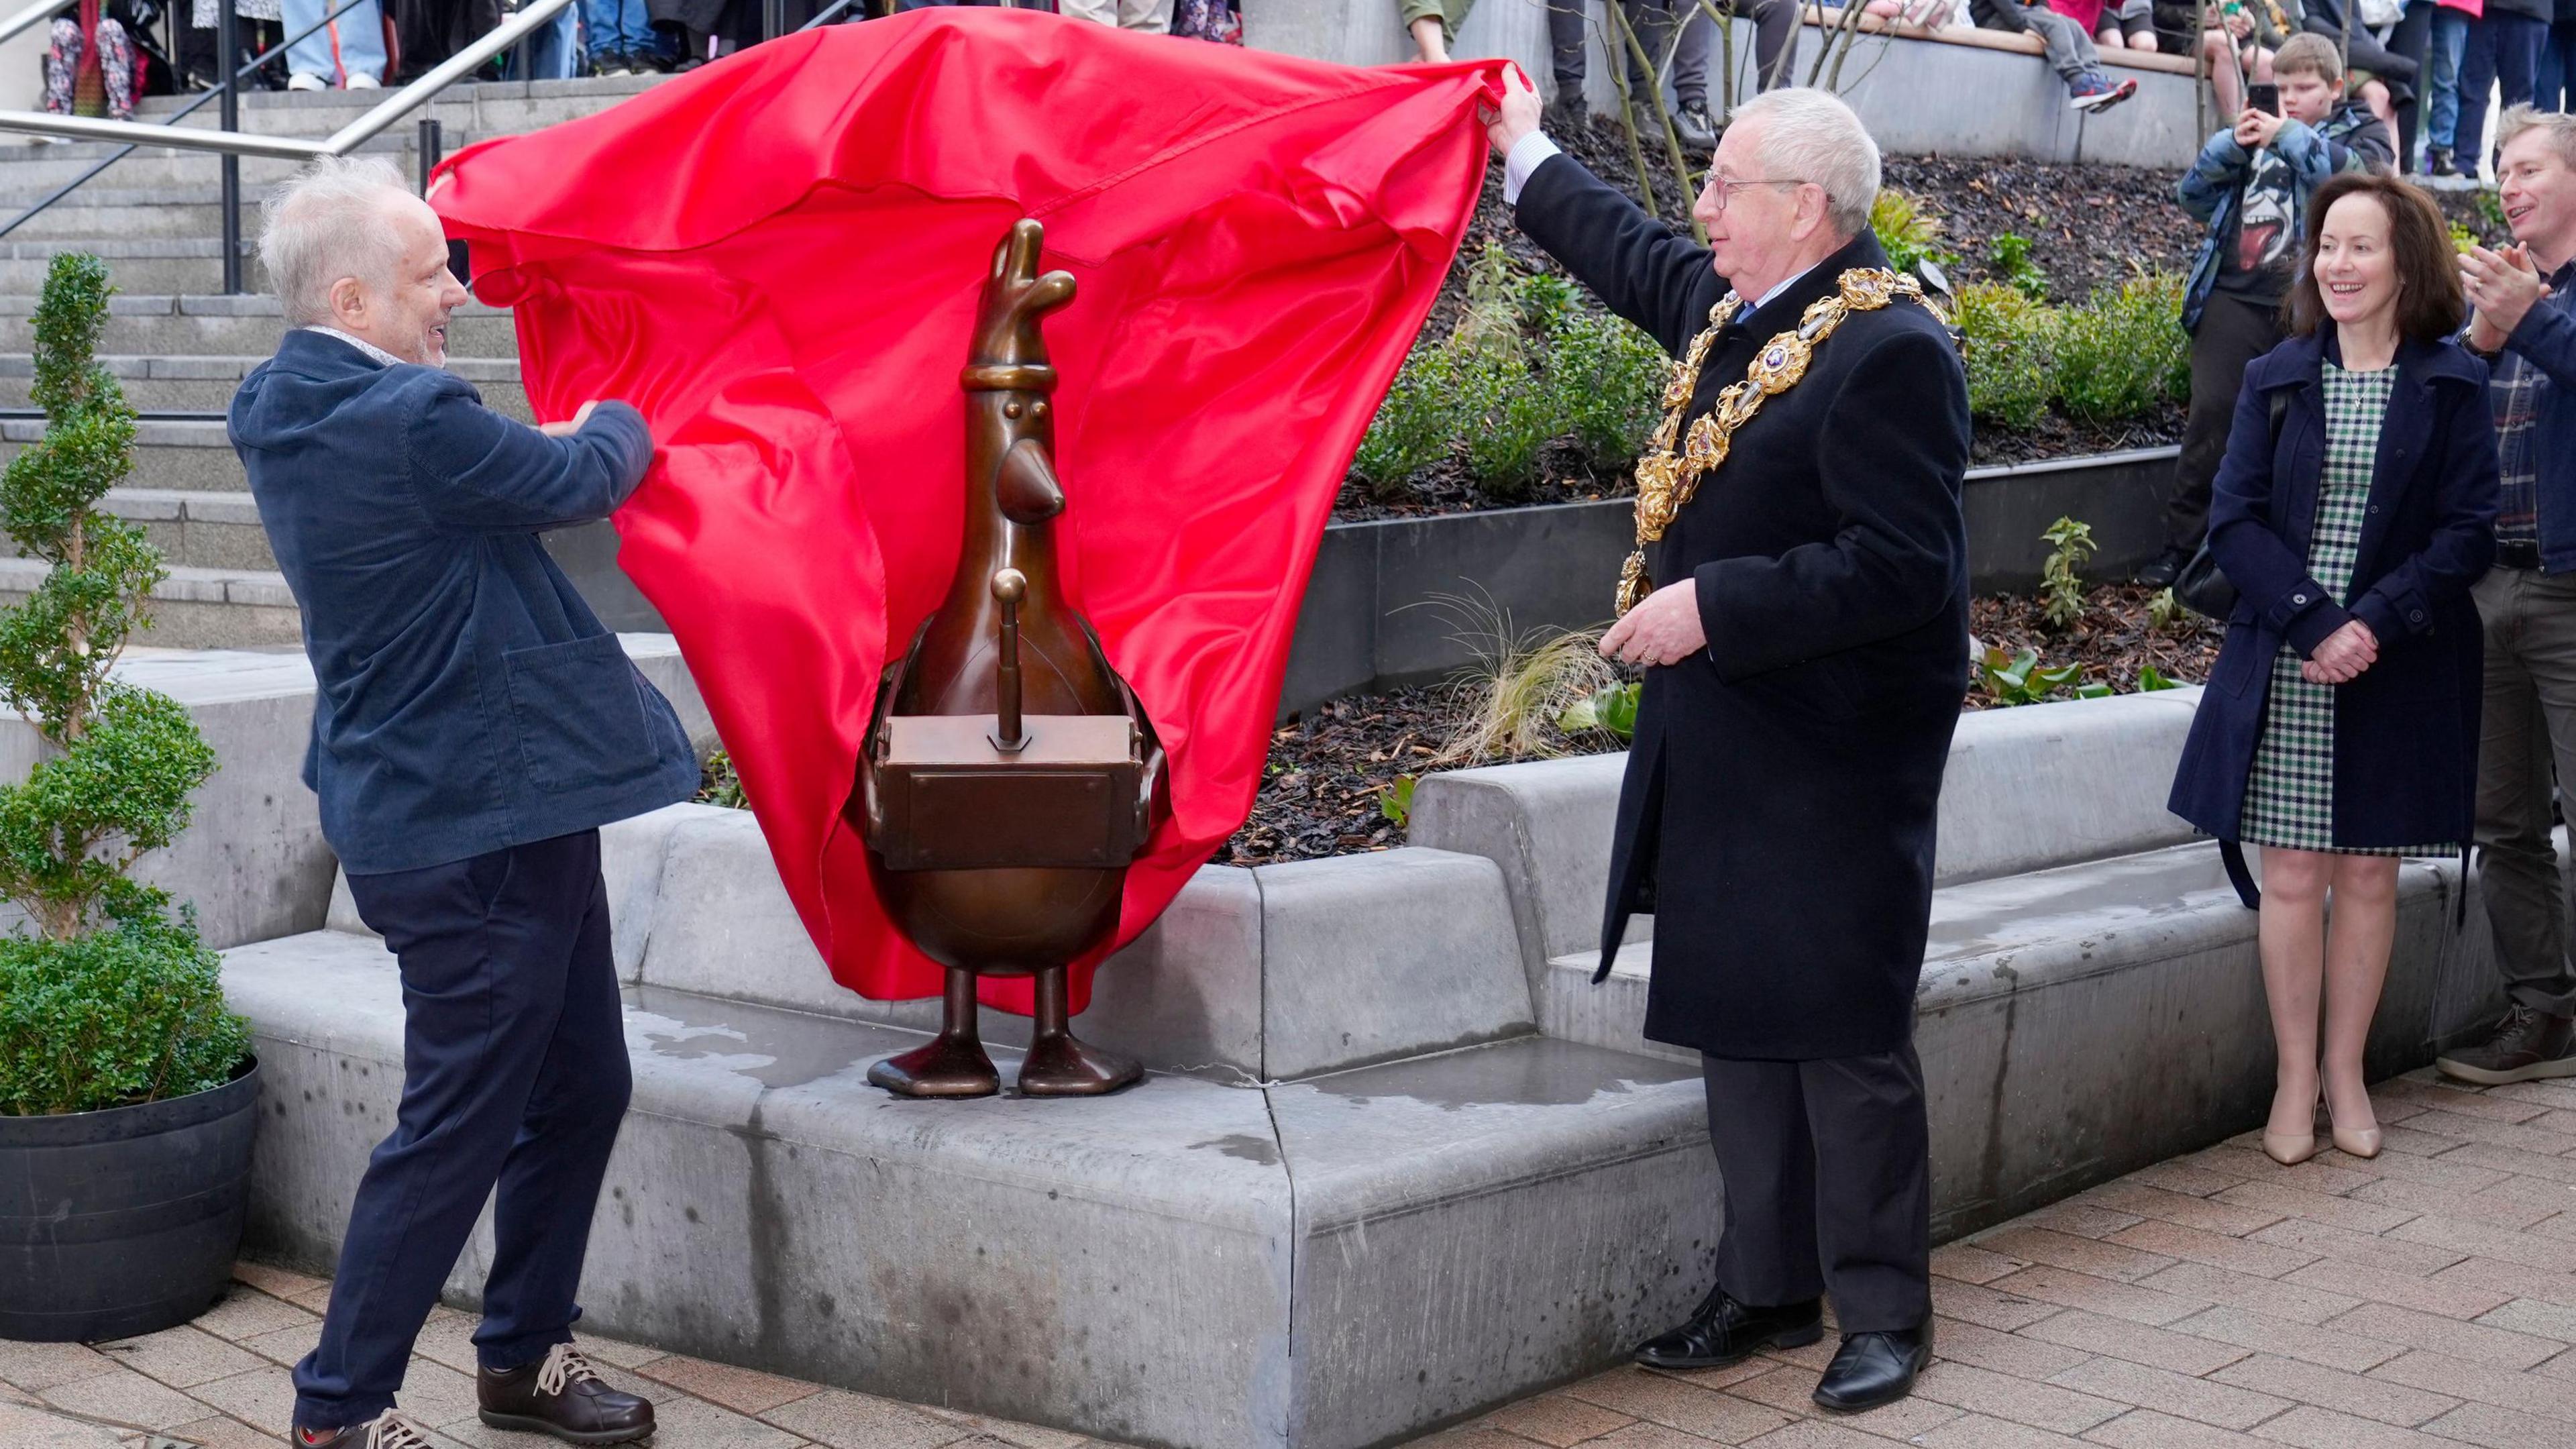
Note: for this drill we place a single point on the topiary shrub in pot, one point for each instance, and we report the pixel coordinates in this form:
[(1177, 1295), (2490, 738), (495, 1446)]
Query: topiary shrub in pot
[(127, 1092)]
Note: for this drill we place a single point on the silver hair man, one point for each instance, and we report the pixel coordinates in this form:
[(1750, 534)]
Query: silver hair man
[(335, 220), (1812, 136)]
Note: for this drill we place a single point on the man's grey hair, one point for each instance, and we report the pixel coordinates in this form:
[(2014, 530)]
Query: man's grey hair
[(333, 220), (2560, 130), (1810, 135)]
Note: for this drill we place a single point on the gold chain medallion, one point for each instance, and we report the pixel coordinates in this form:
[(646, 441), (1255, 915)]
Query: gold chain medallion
[(1668, 478)]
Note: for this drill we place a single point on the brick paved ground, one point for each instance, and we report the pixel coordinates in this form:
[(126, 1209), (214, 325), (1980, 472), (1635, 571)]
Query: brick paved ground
[(2217, 1301)]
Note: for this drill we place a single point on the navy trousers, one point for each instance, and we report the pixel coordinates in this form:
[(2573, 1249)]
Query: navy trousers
[(2503, 57), (1827, 1170), (515, 1076)]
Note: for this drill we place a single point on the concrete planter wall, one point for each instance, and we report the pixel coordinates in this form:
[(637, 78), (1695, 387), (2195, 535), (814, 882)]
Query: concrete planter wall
[(1398, 601)]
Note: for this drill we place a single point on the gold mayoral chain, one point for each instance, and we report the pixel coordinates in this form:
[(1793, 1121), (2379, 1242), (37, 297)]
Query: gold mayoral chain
[(1666, 479)]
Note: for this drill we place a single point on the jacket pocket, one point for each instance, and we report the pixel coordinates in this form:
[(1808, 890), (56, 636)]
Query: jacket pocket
[(578, 716), (2238, 658)]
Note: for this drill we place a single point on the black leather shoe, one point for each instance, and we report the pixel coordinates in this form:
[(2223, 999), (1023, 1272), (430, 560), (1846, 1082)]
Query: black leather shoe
[(563, 1396), (1722, 1331), (1874, 1369)]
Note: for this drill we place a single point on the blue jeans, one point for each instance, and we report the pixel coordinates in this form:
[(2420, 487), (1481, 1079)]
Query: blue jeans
[(2504, 51), (354, 44), (515, 1075), (2557, 68), (2442, 76), (619, 27), (554, 50)]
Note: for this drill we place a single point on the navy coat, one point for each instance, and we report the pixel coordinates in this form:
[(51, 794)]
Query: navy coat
[(1783, 785), (467, 698), (2406, 730)]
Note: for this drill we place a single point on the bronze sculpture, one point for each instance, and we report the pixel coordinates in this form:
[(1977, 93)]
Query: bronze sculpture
[(1009, 775)]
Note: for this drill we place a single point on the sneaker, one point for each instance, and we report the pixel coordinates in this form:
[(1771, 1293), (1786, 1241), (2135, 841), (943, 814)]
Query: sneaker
[(2094, 91), (611, 63), (388, 1430), (1698, 131), (1567, 115), (302, 82), (362, 82), (2528, 1044)]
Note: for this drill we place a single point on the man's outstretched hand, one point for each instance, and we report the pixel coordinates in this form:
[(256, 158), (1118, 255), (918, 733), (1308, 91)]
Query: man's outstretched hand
[(1516, 117), (566, 430)]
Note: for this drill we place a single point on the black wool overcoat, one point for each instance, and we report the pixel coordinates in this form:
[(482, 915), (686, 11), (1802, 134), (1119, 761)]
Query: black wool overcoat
[(2406, 730), (1778, 809)]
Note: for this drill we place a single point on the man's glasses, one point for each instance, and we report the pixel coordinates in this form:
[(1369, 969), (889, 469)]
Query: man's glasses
[(1719, 189)]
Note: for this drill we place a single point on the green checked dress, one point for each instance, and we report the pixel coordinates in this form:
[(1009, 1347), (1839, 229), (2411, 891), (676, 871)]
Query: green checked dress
[(2289, 802)]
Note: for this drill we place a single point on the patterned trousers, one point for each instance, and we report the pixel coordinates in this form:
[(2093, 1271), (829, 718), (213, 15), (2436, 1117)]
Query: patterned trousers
[(115, 63)]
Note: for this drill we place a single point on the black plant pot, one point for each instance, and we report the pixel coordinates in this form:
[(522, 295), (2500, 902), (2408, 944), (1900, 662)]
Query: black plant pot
[(123, 1221)]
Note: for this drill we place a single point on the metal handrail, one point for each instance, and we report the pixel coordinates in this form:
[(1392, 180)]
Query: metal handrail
[(36, 14), (295, 148)]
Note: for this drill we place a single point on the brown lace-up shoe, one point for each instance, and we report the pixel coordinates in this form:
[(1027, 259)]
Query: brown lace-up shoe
[(388, 1430), (563, 1396), (2527, 1045)]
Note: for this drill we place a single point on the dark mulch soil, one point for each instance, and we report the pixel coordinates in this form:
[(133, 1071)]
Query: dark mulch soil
[(2113, 641), (1329, 771)]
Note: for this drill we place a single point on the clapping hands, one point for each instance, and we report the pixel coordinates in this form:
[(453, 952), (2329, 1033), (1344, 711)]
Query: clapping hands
[(2342, 655)]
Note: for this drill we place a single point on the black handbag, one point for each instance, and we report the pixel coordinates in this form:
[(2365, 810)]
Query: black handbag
[(2201, 587)]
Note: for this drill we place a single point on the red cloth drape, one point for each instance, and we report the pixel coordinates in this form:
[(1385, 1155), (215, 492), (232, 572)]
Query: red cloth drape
[(777, 258)]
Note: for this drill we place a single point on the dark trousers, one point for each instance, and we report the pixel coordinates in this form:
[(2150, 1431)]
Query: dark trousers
[(2528, 729), (2232, 333), (515, 1074), (2556, 74), (1775, 25), (2413, 39), (2503, 54), (1828, 1178)]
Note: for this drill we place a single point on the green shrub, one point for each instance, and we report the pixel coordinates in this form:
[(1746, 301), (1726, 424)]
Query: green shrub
[(1510, 416), (2123, 353), (2007, 340), (1413, 428), (1906, 232), (2011, 259), (111, 1000), (1608, 380)]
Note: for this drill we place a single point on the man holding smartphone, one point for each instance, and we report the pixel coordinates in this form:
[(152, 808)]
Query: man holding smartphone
[(2251, 185)]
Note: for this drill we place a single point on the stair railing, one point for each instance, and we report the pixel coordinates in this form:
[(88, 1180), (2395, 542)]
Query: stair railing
[(231, 143)]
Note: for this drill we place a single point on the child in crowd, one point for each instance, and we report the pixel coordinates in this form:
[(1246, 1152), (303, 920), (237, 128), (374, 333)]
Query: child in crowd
[(2069, 47)]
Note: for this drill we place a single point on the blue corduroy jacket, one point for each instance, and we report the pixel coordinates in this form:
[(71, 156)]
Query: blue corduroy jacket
[(468, 699)]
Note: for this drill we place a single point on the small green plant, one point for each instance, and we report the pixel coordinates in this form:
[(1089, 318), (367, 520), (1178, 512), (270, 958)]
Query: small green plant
[(1395, 801), (2061, 579), (2164, 610), (1491, 321), (1511, 416), (2462, 239), (2151, 679), (2011, 261), (1907, 232), (1413, 428), (2490, 205), (2123, 354), (109, 999), (1608, 380), (2018, 678), (1611, 709), (719, 784), (2009, 347)]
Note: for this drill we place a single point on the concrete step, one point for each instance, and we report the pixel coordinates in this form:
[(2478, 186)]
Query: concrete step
[(198, 528), (190, 457), (28, 169), (130, 213), (147, 265), (207, 384), (197, 608), (202, 324)]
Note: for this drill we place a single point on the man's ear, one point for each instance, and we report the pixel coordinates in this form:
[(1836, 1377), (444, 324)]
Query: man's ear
[(348, 299)]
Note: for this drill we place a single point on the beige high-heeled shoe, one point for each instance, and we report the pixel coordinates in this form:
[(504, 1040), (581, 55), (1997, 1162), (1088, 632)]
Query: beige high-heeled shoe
[(2361, 1142), (2292, 1148)]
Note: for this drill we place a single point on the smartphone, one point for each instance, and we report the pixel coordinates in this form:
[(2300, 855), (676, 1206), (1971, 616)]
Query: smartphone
[(2264, 96)]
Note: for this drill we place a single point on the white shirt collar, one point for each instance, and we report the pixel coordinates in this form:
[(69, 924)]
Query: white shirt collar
[(1765, 299), (360, 343)]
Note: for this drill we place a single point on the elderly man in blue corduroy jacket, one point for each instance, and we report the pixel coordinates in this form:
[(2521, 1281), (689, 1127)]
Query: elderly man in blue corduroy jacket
[(473, 727)]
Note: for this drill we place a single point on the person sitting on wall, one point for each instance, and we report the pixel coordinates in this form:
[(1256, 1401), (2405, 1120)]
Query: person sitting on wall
[(1803, 623), (2070, 50), (473, 727)]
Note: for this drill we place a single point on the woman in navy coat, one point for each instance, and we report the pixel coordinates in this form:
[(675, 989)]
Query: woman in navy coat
[(2339, 730)]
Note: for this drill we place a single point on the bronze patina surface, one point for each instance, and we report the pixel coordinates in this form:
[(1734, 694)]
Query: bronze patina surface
[(1010, 775)]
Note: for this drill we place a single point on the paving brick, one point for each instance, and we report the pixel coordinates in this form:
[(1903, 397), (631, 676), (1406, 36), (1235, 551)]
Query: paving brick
[(2536, 1319), (2345, 1393), (2237, 1254), (859, 1421), (2406, 1290), (438, 1395), (2396, 1137), (2136, 1342), (1969, 1264), (2310, 1427), (1638, 1435), (448, 1338), (2213, 1215), (38, 1366), (687, 1423), (619, 1352), (2185, 1178), (2082, 1255), (2547, 1094), (1803, 1434), (2496, 1347), (2147, 1429), (2403, 1256), (2290, 1339), (1718, 1378), (745, 1391), (2504, 1160), (2017, 1354), (180, 1356), (2100, 1295), (2355, 1212), (2489, 1427), (2269, 1296), (2440, 1373), (123, 1396), (1976, 1431), (276, 1282), (2063, 1409), (2525, 1136), (246, 1313), (1688, 1407), (2204, 1400), (1792, 1390), (1473, 1436), (1987, 1305), (222, 1431), (264, 1398), (2078, 1217), (2485, 1240), (2453, 1099), (286, 1345), (2314, 1175), (2511, 1280), (2486, 1207)]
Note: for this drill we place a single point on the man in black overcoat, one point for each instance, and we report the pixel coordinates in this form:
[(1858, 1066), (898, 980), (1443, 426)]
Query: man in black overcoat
[(1803, 620)]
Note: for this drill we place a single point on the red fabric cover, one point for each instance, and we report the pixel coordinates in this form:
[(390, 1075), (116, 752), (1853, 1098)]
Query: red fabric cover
[(777, 258)]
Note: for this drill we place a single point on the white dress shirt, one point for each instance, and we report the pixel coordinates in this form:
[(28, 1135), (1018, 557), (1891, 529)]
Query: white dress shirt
[(360, 343)]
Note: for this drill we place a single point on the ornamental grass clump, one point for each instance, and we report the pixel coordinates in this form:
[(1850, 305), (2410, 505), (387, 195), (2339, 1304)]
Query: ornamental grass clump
[(106, 997)]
